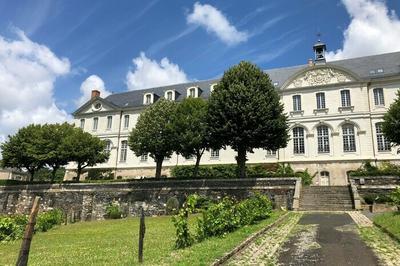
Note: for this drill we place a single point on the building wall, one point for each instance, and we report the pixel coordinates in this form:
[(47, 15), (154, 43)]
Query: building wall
[(363, 115)]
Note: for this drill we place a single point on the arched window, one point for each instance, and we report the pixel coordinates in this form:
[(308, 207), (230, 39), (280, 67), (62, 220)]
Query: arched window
[(169, 95), (124, 150), (212, 87), (324, 178), (192, 92), (148, 98), (298, 140), (323, 139), (382, 142), (349, 139)]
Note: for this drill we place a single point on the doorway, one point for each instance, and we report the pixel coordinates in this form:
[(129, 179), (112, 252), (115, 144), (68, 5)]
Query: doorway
[(324, 178)]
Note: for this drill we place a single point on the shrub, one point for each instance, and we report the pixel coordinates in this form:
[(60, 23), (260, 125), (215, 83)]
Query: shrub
[(395, 197), (10, 229), (306, 177), (113, 211), (99, 174), (377, 198), (172, 206), (48, 220), (385, 168), (223, 171)]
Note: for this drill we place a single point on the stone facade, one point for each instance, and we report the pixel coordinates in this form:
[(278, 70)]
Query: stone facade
[(334, 108), (89, 201)]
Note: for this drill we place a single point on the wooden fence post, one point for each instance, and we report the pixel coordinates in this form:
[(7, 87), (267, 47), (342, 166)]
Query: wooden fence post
[(142, 231), (26, 242)]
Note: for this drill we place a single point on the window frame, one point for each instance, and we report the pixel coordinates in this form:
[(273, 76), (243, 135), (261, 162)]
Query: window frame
[(323, 145), (214, 154), (126, 121), (383, 145), (349, 138), (321, 102), (296, 103), (124, 151), (95, 123), (379, 97), (82, 123), (109, 122), (345, 98), (298, 140), (144, 157)]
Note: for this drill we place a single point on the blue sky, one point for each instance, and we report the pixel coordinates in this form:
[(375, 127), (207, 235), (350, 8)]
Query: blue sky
[(121, 45)]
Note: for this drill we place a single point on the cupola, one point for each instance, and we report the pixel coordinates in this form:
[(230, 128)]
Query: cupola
[(319, 51)]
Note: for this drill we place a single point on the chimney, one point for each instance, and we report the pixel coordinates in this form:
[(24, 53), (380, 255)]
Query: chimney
[(310, 62), (95, 93)]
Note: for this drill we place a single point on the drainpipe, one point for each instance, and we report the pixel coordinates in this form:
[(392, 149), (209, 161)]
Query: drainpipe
[(370, 123), (118, 140)]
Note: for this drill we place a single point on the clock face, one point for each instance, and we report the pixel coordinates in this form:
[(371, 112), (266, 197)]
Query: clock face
[(97, 106)]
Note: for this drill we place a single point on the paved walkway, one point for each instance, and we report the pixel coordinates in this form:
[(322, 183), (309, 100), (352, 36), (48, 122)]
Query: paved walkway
[(326, 239)]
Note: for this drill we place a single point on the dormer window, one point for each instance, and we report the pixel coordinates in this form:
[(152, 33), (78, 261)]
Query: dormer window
[(148, 98), (192, 92), (170, 95)]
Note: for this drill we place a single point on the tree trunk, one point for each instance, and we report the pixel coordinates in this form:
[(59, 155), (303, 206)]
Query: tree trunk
[(196, 166), (159, 161), (241, 162), (78, 172), (32, 173), (53, 173)]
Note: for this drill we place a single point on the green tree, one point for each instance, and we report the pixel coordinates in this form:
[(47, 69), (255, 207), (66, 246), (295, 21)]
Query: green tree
[(191, 128), (84, 149), (22, 150), (391, 122), (53, 152), (245, 113), (154, 133)]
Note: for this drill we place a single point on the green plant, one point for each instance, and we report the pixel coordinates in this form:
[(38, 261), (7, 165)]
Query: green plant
[(183, 237), (113, 211), (377, 198), (48, 220), (395, 197), (10, 229), (172, 206), (306, 177), (285, 169), (99, 174)]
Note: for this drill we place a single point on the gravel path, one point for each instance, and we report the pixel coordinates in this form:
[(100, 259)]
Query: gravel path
[(263, 250)]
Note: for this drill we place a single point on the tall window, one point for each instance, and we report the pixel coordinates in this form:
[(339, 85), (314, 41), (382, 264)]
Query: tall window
[(271, 153), (109, 122), (378, 96), (383, 144), (298, 140), (349, 140), (192, 92), (124, 150), (323, 139), (95, 123), (144, 158), (126, 121), (320, 100), (296, 103), (107, 149), (147, 98), (214, 154), (82, 124), (169, 95), (345, 97)]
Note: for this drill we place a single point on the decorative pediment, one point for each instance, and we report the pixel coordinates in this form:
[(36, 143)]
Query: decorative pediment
[(95, 105), (320, 76)]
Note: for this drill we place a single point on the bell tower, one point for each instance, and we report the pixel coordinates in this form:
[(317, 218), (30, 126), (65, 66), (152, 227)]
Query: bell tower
[(319, 52)]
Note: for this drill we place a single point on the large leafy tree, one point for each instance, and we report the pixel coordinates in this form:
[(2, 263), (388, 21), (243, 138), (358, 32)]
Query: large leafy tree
[(53, 152), (391, 122), (191, 128), (23, 150), (154, 133), (84, 149), (245, 113)]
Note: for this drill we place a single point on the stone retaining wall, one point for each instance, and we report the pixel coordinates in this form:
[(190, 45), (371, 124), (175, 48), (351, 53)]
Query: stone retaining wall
[(375, 184), (88, 201)]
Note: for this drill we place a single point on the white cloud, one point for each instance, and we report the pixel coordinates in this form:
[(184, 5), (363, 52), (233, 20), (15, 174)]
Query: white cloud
[(373, 29), (28, 71), (150, 73), (93, 82), (214, 21)]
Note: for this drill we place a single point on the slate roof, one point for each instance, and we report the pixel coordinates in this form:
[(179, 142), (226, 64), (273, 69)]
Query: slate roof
[(389, 63)]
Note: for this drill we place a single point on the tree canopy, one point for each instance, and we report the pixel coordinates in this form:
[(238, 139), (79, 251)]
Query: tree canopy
[(391, 122), (245, 113), (154, 133), (191, 128)]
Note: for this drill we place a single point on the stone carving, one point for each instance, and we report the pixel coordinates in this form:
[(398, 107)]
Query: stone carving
[(320, 76)]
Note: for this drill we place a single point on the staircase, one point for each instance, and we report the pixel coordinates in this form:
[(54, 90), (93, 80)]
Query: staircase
[(326, 198)]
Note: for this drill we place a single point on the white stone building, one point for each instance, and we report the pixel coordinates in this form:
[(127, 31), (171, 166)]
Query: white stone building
[(334, 108)]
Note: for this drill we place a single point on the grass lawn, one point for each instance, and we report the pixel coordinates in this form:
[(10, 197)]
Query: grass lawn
[(115, 242), (390, 221)]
